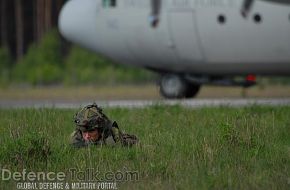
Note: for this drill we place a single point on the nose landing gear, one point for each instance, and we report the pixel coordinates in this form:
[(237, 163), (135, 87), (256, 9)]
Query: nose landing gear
[(187, 86)]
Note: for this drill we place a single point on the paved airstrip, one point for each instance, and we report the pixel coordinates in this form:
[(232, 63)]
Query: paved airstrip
[(193, 103)]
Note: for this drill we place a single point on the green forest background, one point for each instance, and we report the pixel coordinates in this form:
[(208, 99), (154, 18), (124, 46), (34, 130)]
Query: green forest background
[(45, 64)]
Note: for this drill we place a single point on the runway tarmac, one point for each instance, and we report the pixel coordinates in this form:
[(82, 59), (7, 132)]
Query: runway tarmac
[(193, 103)]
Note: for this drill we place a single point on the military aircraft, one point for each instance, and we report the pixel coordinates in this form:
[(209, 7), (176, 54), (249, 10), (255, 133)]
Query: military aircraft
[(196, 42)]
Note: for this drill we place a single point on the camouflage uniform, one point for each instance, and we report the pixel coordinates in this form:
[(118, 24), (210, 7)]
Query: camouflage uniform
[(91, 117)]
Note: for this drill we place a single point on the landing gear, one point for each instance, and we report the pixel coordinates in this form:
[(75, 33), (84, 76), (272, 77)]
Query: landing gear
[(175, 86), (192, 90)]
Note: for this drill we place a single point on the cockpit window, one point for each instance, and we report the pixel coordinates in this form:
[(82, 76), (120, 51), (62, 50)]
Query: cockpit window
[(109, 3)]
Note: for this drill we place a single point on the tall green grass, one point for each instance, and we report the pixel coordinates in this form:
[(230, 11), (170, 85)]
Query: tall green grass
[(181, 148)]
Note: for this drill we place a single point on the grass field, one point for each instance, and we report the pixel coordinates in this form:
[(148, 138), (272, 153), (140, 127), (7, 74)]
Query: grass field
[(181, 148)]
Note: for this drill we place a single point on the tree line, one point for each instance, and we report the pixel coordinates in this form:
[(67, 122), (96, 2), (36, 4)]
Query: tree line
[(33, 53), (23, 22)]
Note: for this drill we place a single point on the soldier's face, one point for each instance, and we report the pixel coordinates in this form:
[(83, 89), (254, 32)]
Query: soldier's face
[(91, 135)]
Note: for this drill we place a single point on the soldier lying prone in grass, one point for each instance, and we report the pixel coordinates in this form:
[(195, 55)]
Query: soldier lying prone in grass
[(94, 128)]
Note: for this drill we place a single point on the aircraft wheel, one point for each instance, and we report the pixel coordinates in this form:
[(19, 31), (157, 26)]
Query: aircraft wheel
[(192, 90), (173, 86)]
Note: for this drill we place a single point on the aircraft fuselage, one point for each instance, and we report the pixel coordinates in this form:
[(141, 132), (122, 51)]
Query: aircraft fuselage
[(206, 37)]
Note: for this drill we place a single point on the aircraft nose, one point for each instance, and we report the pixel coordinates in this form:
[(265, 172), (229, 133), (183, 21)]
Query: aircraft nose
[(77, 22)]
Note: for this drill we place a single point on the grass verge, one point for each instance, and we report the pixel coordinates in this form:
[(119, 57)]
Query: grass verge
[(181, 148)]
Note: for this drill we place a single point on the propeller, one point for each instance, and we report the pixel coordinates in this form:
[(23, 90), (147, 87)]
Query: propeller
[(155, 13), (246, 7)]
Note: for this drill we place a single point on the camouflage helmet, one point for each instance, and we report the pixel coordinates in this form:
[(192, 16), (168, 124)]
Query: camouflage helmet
[(90, 118)]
